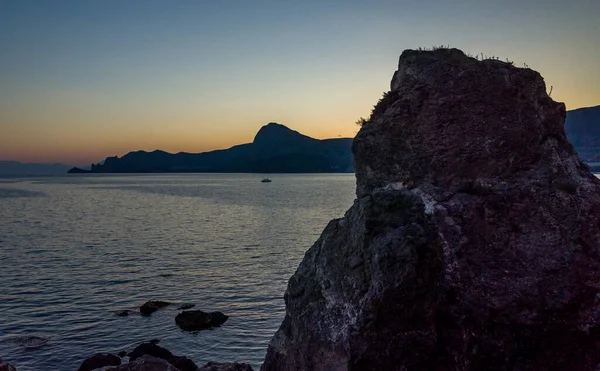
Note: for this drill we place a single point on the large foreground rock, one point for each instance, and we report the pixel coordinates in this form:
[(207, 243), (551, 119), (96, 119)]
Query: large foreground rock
[(474, 242)]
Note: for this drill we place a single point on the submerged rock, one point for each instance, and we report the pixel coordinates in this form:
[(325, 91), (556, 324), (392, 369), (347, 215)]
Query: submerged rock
[(211, 366), (99, 360), (122, 313), (186, 306), (474, 241), (29, 341), (194, 320), (152, 306)]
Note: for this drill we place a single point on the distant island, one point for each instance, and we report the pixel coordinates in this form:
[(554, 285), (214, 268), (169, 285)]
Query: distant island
[(275, 149)]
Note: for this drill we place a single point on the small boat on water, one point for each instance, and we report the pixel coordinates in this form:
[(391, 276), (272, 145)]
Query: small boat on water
[(266, 180)]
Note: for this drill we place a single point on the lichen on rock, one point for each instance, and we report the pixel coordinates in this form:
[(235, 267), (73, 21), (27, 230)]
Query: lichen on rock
[(474, 241)]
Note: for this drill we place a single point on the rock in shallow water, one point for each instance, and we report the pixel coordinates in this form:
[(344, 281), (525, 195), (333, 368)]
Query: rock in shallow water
[(195, 320), (29, 341), (99, 360), (122, 313), (474, 242), (152, 306)]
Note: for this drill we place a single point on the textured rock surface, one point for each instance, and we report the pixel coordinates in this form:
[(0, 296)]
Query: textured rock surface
[(99, 360), (195, 320), (474, 242)]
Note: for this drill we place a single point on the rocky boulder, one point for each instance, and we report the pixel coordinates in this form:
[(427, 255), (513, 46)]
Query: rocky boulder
[(474, 241), (195, 320), (99, 360)]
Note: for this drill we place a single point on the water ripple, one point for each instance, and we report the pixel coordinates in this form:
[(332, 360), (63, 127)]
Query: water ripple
[(95, 245)]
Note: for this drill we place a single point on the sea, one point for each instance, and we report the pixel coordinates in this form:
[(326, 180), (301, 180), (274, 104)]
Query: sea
[(76, 249)]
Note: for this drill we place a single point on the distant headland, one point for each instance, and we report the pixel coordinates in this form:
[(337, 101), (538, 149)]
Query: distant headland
[(275, 149), (279, 149)]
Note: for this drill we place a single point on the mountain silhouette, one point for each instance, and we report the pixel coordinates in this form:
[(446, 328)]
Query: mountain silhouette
[(279, 149), (582, 127), (275, 149)]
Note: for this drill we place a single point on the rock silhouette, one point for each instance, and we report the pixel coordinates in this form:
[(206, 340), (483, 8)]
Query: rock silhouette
[(474, 241)]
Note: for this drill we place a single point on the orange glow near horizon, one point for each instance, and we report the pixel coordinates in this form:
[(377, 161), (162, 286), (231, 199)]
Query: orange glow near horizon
[(67, 144), (80, 81), (49, 130)]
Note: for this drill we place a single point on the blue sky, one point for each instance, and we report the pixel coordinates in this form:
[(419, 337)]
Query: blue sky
[(82, 80)]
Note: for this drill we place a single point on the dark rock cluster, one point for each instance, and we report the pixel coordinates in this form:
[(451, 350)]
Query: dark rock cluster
[(152, 357), (474, 241)]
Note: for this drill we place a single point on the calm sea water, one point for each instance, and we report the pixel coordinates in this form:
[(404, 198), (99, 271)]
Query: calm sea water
[(75, 249)]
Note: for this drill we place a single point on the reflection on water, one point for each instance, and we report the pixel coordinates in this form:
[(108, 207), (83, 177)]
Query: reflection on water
[(74, 250)]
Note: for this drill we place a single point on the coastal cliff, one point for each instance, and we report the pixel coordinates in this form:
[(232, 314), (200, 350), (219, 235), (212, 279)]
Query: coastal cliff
[(474, 240)]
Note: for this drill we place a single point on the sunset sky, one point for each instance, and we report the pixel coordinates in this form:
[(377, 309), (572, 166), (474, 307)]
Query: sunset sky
[(83, 80)]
